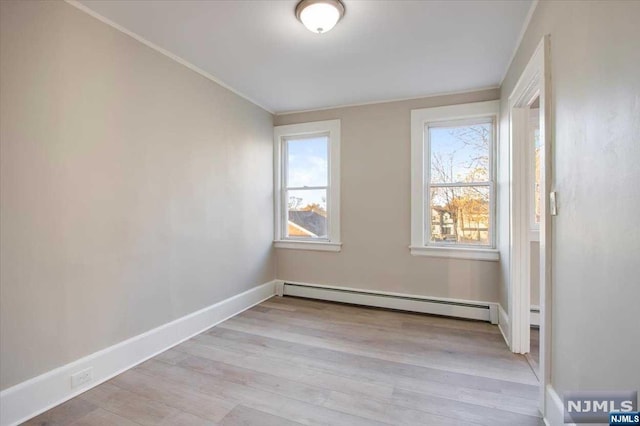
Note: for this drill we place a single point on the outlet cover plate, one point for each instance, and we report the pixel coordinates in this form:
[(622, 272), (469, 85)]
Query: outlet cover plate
[(81, 377)]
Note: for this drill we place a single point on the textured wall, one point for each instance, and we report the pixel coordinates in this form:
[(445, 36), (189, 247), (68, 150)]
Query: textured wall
[(595, 61), (134, 191)]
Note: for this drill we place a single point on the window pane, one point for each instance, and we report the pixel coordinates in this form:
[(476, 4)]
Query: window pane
[(534, 136), (460, 215), (460, 153), (307, 213), (307, 161), (536, 186)]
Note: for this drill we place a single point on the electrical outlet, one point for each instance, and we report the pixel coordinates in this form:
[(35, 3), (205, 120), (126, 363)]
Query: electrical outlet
[(81, 377)]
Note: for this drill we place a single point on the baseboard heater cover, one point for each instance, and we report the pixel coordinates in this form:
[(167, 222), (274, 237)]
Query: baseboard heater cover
[(534, 315), (483, 311)]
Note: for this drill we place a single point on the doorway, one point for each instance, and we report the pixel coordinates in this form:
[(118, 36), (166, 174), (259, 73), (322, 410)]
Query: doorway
[(530, 212), (533, 170)]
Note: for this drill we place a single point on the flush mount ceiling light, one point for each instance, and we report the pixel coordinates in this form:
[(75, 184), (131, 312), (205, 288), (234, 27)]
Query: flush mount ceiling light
[(319, 16)]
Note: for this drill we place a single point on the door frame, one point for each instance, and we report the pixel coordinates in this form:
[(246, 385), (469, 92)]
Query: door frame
[(534, 81)]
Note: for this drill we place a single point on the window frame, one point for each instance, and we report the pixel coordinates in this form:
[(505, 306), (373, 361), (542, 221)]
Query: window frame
[(281, 134), (421, 180)]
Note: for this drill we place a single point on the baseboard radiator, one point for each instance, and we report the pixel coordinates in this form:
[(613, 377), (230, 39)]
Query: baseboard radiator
[(534, 316), (483, 311)]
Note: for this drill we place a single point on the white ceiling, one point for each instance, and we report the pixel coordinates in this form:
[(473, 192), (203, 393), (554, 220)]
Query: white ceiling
[(381, 50)]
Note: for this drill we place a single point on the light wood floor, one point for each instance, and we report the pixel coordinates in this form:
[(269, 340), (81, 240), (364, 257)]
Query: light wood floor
[(534, 354), (292, 361)]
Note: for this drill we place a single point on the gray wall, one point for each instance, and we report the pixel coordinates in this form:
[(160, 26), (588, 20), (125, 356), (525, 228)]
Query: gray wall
[(534, 276), (595, 67), (133, 190), (375, 216)]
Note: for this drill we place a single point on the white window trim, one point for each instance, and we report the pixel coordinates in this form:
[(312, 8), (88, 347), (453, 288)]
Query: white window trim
[(280, 133), (419, 119)]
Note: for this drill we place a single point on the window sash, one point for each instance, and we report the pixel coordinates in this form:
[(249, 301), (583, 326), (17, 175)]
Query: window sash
[(285, 216), (284, 200), (464, 122), (427, 184), (427, 220)]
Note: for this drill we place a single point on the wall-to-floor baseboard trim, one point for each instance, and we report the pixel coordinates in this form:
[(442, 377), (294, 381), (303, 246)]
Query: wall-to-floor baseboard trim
[(471, 309), (503, 325), (554, 415), (32, 397)]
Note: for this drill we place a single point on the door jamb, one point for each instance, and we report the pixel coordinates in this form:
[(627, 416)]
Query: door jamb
[(534, 81)]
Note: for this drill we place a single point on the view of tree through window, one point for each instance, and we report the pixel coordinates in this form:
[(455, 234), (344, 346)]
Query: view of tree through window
[(306, 184), (459, 209), (534, 121)]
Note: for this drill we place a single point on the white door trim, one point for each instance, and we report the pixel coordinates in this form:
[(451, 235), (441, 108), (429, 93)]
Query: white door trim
[(534, 81)]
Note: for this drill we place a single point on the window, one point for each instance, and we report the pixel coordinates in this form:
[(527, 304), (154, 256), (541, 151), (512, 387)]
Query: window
[(453, 194), (534, 166), (307, 177)]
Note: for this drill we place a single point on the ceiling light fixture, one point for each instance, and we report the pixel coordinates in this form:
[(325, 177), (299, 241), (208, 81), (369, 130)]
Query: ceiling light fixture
[(319, 16)]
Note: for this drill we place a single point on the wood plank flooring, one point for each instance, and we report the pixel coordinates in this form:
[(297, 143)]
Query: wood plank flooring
[(294, 361), (534, 354)]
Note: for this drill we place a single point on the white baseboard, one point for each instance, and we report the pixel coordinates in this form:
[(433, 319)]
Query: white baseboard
[(32, 397), (554, 408), (503, 325), (471, 309), (280, 288)]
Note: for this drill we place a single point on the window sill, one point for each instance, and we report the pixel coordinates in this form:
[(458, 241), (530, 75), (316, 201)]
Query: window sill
[(492, 255), (308, 245)]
